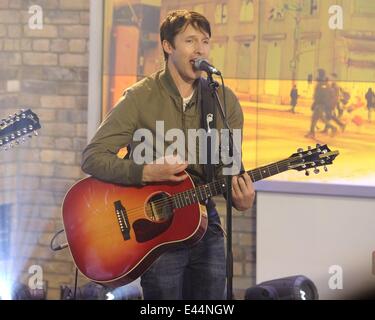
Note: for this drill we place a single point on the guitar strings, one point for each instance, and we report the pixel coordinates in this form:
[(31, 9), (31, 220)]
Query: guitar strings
[(159, 204), (163, 202)]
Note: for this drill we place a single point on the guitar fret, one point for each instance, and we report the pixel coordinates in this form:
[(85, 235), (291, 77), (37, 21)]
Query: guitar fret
[(200, 193), (264, 172), (179, 201), (260, 172), (213, 191), (193, 196), (207, 193), (187, 199), (182, 200), (277, 167), (252, 175), (174, 202), (255, 175), (203, 192)]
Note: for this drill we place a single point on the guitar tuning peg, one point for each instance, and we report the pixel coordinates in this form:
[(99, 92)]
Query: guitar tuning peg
[(318, 145), (307, 173), (316, 170), (309, 148), (299, 150), (325, 168)]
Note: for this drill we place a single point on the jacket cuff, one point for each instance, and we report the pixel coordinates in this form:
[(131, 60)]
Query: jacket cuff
[(136, 173)]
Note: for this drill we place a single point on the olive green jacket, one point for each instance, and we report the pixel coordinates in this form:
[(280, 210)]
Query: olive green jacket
[(155, 98)]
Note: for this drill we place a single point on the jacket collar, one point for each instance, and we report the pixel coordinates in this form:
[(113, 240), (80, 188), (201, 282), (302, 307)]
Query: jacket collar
[(169, 84)]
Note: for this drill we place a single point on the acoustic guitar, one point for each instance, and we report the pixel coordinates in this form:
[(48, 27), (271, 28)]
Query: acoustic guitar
[(116, 232)]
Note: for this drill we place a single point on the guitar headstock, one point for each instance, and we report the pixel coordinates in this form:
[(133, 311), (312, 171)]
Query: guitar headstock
[(321, 156), (14, 128)]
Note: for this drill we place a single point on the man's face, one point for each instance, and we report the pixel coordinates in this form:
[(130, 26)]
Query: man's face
[(188, 46)]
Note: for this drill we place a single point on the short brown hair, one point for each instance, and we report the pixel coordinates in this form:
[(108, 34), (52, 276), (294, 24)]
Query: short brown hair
[(177, 21)]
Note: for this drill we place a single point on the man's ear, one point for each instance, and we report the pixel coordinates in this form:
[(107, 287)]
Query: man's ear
[(167, 46)]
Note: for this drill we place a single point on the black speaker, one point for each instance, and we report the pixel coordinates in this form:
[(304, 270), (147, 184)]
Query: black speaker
[(290, 288)]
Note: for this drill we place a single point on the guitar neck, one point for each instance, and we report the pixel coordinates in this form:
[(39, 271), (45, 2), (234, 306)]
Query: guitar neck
[(206, 191)]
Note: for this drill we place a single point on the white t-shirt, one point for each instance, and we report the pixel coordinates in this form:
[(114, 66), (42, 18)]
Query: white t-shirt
[(185, 101)]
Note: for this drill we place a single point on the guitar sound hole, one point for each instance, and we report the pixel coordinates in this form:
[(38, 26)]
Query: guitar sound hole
[(159, 207)]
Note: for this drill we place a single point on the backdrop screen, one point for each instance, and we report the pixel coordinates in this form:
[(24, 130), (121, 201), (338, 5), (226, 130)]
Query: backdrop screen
[(302, 70)]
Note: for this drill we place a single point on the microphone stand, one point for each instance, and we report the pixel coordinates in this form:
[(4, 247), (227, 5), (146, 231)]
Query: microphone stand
[(214, 85)]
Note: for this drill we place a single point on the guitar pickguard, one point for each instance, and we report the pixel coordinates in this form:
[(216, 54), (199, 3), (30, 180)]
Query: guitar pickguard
[(146, 230)]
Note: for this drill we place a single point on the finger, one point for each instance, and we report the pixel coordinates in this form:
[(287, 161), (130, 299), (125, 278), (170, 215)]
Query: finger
[(242, 185), (247, 178), (235, 186), (179, 168), (249, 184), (174, 159), (178, 178)]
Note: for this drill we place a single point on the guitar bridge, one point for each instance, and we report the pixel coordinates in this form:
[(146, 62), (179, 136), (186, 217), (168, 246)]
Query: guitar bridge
[(123, 221)]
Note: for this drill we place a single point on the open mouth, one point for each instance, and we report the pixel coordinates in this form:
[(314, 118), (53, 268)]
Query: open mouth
[(192, 62)]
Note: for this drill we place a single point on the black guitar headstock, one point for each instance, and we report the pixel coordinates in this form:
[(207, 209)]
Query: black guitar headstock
[(14, 128), (321, 156)]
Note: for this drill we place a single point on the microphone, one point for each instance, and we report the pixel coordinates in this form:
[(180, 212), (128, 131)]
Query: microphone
[(203, 65)]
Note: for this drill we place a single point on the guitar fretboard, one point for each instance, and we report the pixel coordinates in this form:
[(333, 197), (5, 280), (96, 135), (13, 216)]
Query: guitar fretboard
[(206, 191)]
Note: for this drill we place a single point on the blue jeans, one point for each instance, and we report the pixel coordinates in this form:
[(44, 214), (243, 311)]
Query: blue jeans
[(190, 273)]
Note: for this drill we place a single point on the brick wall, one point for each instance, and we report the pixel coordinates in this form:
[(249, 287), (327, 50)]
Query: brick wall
[(243, 247), (46, 70)]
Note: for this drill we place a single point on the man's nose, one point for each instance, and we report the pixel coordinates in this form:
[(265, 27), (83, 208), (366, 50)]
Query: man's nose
[(199, 48)]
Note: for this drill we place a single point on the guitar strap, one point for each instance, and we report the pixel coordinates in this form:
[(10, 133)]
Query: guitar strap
[(208, 122)]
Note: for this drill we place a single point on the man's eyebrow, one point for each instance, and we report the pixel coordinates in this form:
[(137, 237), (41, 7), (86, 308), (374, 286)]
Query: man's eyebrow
[(194, 36)]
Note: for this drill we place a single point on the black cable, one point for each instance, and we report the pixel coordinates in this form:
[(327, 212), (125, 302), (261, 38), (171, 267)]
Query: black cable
[(225, 103), (75, 285), (59, 247)]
